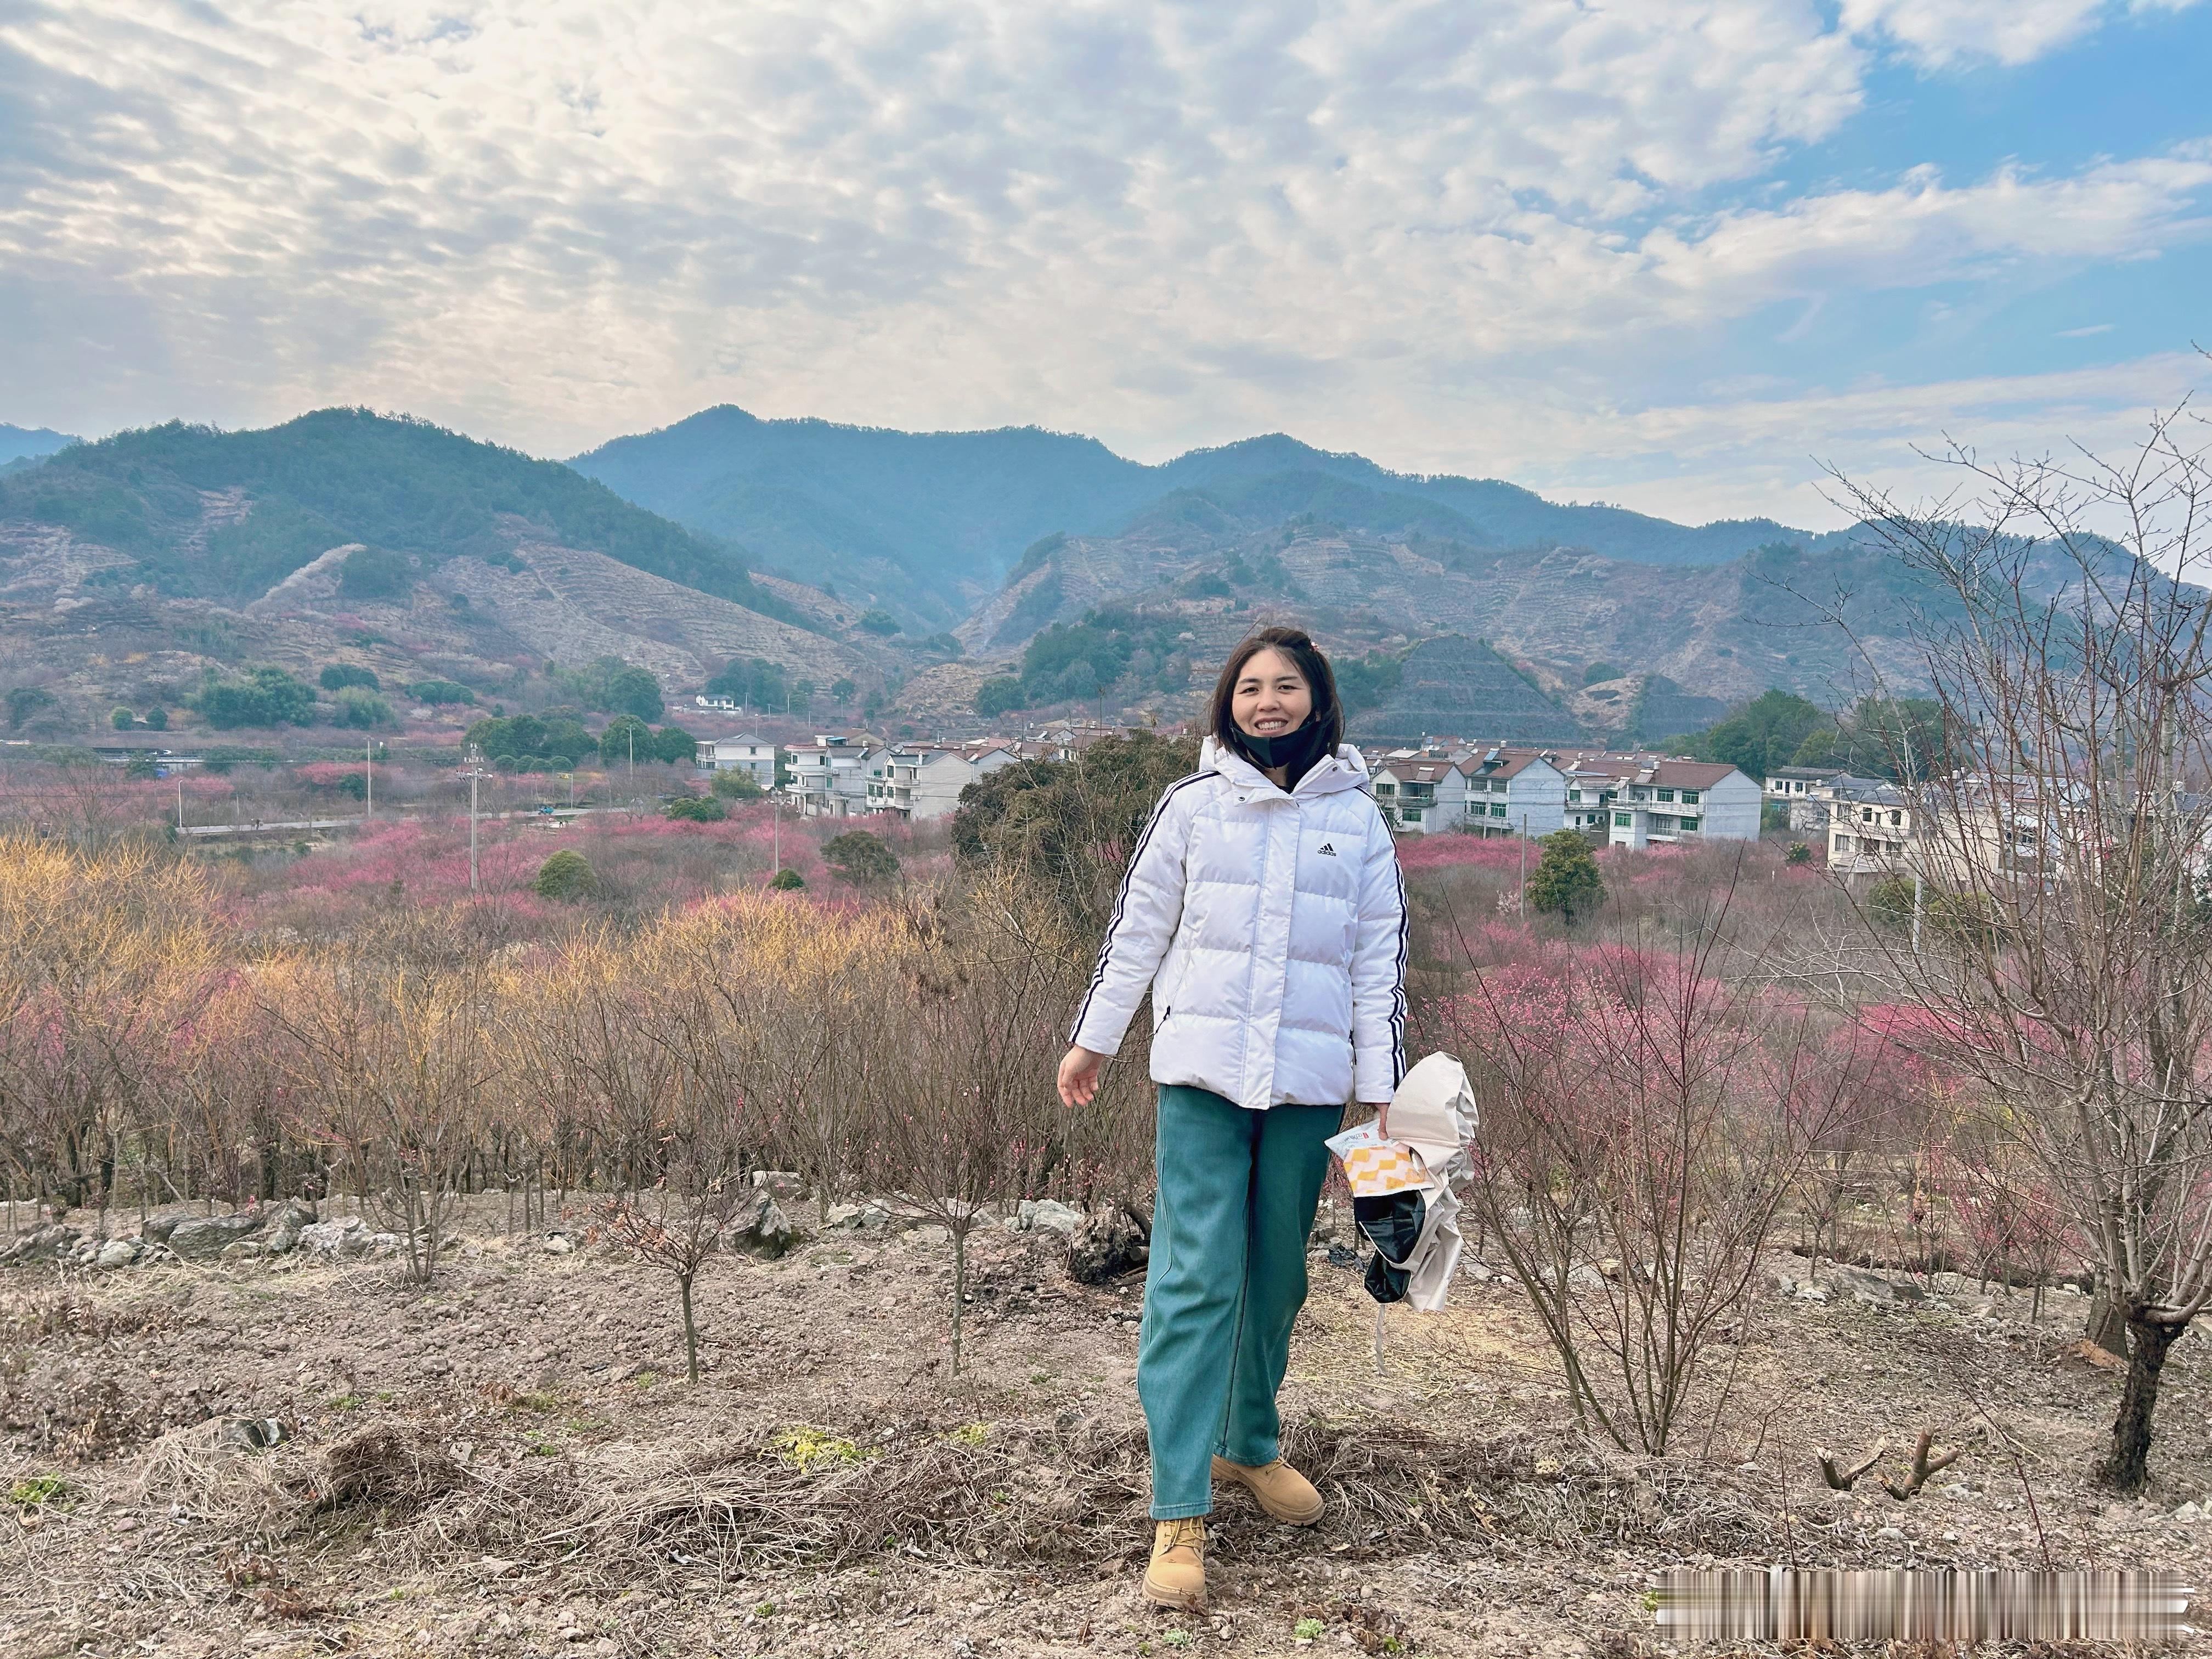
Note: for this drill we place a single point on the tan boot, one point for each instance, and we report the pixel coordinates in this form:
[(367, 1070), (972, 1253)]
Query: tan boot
[(1282, 1491), (1177, 1577)]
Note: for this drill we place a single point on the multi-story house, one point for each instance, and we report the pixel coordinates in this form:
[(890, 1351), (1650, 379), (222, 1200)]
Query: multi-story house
[(1512, 792), (1634, 800), (921, 781), (1488, 791), (753, 755), (829, 777), (1870, 830), (1801, 791)]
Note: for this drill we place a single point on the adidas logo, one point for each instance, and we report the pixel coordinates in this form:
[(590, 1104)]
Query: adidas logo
[(1328, 849)]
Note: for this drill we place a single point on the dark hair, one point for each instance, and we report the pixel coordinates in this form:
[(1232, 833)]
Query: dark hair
[(1298, 645)]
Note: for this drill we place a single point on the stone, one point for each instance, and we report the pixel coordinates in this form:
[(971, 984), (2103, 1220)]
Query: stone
[(1869, 1288), (48, 1244), (2189, 1512), (342, 1239), (116, 1253), (386, 1244), (244, 1249), (1109, 1244), (253, 1433), (929, 1233), (761, 1228), (1781, 1283), (294, 1212), (783, 1184), (1811, 1291), (842, 1217), (280, 1240), (157, 1231), (559, 1244), (1891, 1535), (205, 1238), (1047, 1213)]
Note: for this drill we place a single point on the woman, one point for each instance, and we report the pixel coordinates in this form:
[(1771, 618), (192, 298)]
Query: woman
[(1263, 910)]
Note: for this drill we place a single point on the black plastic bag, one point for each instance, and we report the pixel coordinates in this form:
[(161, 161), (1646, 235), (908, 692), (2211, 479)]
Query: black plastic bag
[(1393, 1224)]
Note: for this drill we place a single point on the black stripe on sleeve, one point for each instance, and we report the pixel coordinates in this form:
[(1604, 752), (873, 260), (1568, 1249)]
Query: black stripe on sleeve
[(1121, 898)]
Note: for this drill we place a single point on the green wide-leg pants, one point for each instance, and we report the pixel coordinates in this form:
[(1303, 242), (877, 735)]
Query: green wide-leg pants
[(1228, 1275)]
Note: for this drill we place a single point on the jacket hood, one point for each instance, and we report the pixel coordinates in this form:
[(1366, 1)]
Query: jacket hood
[(1345, 769)]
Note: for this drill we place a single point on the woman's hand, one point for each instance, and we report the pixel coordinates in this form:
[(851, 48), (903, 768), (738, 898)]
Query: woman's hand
[(1079, 1077)]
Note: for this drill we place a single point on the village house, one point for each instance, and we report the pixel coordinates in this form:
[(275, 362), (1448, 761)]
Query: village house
[(1636, 800), (1870, 823), (1493, 791), (745, 752), (922, 782), (829, 777), (1800, 791)]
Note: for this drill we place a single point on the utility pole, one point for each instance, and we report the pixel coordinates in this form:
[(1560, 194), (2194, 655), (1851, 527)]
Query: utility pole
[(1523, 902), (369, 778), (475, 772), (180, 801), (775, 831)]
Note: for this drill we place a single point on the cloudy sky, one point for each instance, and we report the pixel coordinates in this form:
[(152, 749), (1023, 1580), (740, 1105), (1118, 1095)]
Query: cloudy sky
[(1667, 254)]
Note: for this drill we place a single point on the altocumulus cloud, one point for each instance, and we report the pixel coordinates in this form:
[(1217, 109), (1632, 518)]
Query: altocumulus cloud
[(1482, 237)]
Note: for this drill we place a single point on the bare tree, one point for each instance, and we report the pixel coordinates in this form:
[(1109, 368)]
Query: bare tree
[(2061, 953)]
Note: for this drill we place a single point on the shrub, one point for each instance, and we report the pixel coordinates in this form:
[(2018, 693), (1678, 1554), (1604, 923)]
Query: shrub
[(25, 701), (436, 691), (1000, 696), (1798, 853), (626, 738), (140, 767), (880, 622), (121, 720), (263, 696), (375, 573), (157, 720), (736, 784), (1598, 672), (1566, 882), (566, 875), (340, 675), (859, 857), (362, 709), (786, 881), (697, 808)]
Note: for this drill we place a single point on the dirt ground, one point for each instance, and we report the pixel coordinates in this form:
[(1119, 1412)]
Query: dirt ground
[(510, 1463)]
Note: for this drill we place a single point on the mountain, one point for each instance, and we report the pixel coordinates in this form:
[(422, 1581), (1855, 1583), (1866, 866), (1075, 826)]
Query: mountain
[(1461, 687), (384, 543), (196, 512), (21, 446), (931, 523)]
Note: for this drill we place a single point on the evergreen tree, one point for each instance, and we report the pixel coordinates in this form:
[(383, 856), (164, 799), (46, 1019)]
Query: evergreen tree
[(1567, 879)]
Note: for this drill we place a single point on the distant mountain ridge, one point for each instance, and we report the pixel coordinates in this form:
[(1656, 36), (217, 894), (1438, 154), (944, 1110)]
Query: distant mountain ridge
[(932, 523), (23, 446)]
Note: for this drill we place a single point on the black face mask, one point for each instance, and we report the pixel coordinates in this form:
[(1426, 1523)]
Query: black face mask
[(1295, 751)]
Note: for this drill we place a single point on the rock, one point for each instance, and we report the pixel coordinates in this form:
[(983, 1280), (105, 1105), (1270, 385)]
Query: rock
[(280, 1240), (1869, 1288), (783, 1184), (386, 1244), (841, 1217), (762, 1228), (1342, 1256), (207, 1237), (117, 1253), (1106, 1245), (342, 1239), (1893, 1534), (244, 1249), (1047, 1213), (253, 1433), (1585, 1278), (930, 1233), (1812, 1291), (157, 1231), (1781, 1283), (2189, 1512), (47, 1244), (294, 1212), (559, 1244)]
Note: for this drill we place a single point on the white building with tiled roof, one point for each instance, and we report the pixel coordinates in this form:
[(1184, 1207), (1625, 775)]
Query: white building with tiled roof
[(1492, 790), (1634, 800), (923, 780)]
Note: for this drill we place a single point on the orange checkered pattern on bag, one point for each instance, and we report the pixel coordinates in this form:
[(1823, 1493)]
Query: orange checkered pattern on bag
[(1391, 1167)]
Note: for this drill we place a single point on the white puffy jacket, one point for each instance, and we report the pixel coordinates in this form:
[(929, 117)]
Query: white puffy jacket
[(1271, 929)]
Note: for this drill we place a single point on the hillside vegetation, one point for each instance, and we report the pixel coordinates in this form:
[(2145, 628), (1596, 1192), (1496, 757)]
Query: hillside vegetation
[(225, 515)]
